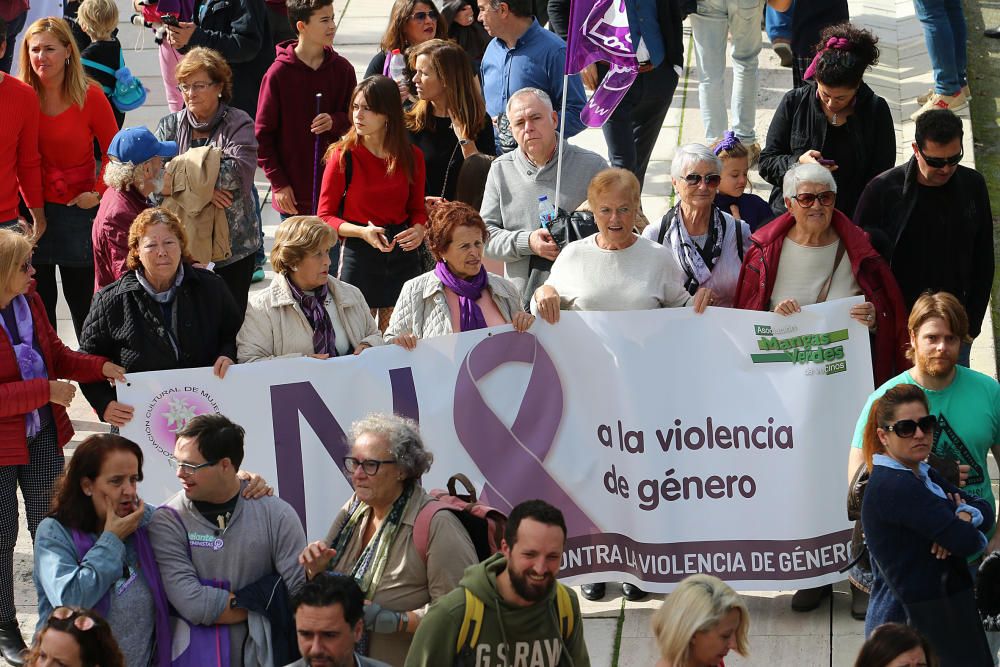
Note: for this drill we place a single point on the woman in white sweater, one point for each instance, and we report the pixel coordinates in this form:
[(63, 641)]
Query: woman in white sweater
[(305, 311), (459, 294), (615, 269)]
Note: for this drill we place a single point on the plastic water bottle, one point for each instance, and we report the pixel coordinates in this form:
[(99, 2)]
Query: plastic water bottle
[(545, 212), (397, 64)]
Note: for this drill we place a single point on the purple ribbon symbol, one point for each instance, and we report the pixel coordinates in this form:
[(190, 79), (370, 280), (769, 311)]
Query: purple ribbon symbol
[(513, 459), (600, 31)]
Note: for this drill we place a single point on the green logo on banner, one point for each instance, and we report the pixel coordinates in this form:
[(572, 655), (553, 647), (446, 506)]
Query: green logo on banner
[(817, 348)]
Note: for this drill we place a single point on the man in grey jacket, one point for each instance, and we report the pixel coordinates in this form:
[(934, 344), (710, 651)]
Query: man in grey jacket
[(517, 180), (209, 533), (329, 621)]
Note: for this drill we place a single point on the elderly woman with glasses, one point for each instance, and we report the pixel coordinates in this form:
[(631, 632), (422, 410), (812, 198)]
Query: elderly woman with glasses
[(206, 81), (706, 241), (372, 536), (305, 311), (34, 425)]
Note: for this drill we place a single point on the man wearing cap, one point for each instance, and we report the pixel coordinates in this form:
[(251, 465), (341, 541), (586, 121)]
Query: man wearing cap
[(134, 172)]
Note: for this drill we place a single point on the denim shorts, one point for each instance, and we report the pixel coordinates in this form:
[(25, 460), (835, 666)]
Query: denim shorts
[(67, 239)]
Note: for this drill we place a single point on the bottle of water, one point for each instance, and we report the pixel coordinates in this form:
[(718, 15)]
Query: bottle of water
[(545, 212), (397, 64)]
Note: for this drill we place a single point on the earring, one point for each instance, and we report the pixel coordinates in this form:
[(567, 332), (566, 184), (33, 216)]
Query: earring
[(67, 62), (295, 268), (220, 96)]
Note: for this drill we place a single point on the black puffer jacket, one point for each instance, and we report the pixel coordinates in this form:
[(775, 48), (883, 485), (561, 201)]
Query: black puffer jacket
[(239, 30), (799, 125), (128, 328)]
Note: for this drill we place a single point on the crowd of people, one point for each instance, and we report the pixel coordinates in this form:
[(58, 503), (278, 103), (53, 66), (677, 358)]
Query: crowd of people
[(394, 193)]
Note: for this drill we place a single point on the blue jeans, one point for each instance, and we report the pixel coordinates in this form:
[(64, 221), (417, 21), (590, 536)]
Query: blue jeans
[(778, 24), (715, 21), (944, 34)]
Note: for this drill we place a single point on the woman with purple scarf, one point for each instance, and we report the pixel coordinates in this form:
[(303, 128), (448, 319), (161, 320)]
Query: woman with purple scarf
[(458, 295), (33, 421), (305, 311)]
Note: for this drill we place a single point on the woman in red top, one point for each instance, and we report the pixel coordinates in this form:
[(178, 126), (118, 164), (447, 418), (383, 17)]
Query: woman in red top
[(33, 421), (373, 194), (75, 112)]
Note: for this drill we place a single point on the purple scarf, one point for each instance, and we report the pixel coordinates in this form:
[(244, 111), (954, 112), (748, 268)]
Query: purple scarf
[(469, 291), (151, 571), (324, 337), (29, 361)]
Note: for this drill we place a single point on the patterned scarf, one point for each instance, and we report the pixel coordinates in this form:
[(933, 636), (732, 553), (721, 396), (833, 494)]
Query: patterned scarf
[(468, 291), (29, 361), (371, 563), (312, 304), (697, 263)]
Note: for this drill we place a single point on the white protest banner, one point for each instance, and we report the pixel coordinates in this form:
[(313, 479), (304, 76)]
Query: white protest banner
[(674, 443)]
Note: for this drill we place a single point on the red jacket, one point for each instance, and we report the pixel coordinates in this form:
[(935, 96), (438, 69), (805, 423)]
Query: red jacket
[(19, 397), (760, 269)]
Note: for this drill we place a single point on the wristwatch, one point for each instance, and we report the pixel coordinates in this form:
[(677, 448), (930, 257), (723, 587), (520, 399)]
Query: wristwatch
[(232, 603), (464, 142)]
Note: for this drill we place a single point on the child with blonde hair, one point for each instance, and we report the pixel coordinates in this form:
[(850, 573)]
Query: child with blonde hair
[(732, 196), (98, 19)]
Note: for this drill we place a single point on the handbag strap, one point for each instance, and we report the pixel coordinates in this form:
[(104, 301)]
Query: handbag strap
[(825, 290), (348, 172)]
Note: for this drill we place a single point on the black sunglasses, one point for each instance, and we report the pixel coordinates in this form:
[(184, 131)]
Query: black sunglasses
[(807, 199), (906, 428), (711, 180), (942, 162), (423, 16)]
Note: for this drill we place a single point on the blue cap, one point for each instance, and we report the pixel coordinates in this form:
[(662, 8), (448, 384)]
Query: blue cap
[(138, 144)]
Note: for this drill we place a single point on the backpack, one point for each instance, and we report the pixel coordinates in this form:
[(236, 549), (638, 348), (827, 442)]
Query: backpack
[(472, 623), (484, 524), (128, 93)]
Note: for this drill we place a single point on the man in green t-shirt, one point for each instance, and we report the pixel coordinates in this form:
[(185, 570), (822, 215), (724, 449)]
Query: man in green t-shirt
[(966, 403)]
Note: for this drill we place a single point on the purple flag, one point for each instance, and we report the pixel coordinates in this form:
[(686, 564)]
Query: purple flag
[(598, 30)]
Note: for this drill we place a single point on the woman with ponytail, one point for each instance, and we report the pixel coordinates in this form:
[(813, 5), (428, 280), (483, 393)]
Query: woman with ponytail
[(920, 531), (834, 120)]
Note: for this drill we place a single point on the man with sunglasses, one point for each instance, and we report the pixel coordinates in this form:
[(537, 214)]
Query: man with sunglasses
[(931, 219), (965, 403), (209, 533)]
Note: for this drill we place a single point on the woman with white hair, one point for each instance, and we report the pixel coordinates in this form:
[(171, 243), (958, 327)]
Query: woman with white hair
[(707, 242), (813, 253), (700, 623)]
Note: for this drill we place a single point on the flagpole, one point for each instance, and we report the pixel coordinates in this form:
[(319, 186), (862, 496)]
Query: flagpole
[(562, 127)]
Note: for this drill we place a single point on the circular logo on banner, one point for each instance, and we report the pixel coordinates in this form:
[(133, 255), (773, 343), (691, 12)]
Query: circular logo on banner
[(171, 410)]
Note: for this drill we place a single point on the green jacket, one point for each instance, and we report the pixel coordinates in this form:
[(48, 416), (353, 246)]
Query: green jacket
[(511, 636)]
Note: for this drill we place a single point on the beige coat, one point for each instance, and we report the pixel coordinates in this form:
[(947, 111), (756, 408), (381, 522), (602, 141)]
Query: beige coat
[(422, 308), (275, 325), (194, 174), (409, 584)]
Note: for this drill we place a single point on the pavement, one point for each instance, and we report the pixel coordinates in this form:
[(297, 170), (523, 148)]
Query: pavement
[(617, 631)]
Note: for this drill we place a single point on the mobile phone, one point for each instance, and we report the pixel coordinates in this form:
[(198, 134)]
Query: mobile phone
[(827, 163), (169, 19)]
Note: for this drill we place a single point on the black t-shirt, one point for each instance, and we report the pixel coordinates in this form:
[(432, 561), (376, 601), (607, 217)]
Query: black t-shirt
[(440, 147), (839, 147), (218, 514), (107, 53), (927, 231)]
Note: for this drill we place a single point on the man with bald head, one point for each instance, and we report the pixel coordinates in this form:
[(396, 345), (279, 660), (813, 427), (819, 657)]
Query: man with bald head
[(517, 179)]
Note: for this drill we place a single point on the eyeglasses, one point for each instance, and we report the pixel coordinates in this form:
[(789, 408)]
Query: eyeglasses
[(194, 87), (807, 199), (370, 466), (82, 622), (711, 180), (942, 162), (26, 266), (423, 16), (906, 428), (188, 469)]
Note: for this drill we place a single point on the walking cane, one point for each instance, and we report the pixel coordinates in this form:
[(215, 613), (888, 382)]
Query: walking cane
[(315, 207)]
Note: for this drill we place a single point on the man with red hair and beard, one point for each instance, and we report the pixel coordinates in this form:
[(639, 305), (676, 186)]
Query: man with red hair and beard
[(966, 403), (520, 617)]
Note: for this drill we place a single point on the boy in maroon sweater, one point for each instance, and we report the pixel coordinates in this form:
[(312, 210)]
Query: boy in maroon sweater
[(287, 124)]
